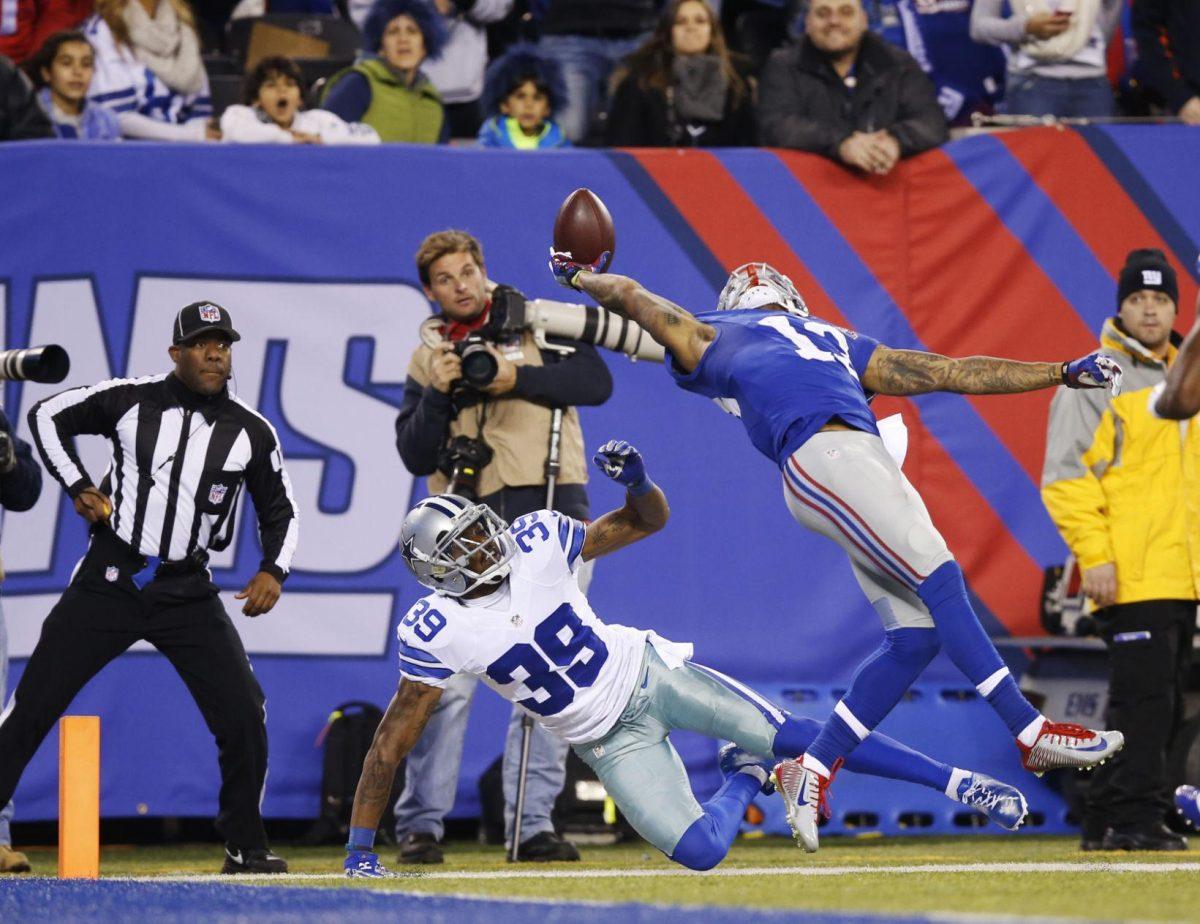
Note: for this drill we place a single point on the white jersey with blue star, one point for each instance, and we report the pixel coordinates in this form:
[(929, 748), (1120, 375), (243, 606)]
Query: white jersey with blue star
[(535, 640)]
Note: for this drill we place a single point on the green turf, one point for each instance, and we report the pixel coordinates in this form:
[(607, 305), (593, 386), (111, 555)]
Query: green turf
[(1130, 895)]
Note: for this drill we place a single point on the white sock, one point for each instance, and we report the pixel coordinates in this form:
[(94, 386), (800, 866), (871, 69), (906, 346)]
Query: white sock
[(759, 773), (1029, 734), (956, 778), (811, 763)]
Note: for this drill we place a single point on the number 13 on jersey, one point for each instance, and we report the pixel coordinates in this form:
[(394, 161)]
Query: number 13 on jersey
[(826, 343)]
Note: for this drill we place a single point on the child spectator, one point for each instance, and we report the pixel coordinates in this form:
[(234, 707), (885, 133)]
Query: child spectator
[(63, 70), (521, 93), (387, 89), (149, 71), (272, 113)]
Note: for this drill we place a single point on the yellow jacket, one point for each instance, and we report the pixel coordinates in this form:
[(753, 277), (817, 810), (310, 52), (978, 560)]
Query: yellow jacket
[(1123, 485)]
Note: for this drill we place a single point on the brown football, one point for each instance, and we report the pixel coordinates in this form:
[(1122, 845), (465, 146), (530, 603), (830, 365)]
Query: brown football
[(584, 228)]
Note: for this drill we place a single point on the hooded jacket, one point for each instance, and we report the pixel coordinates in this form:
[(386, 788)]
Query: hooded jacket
[(804, 104), (1123, 485)]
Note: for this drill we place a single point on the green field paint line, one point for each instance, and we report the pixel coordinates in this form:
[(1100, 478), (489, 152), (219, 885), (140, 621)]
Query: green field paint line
[(732, 872)]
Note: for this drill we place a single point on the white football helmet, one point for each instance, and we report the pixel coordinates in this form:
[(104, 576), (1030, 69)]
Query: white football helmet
[(753, 285), (434, 544)]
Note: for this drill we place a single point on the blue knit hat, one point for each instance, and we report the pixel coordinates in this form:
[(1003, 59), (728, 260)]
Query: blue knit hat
[(519, 64), (428, 20)]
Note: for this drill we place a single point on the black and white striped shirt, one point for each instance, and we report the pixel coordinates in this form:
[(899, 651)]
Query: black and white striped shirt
[(179, 463)]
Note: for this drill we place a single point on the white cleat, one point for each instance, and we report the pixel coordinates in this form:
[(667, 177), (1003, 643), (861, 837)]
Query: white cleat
[(1061, 745), (804, 799)]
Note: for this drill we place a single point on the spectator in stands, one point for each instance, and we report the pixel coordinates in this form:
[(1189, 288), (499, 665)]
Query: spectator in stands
[(388, 90), (522, 92), (272, 113), (26, 24), (1168, 46), (682, 87), (847, 94), (63, 70), (149, 71), (1057, 48), (458, 73), (969, 77), (588, 39), (21, 118)]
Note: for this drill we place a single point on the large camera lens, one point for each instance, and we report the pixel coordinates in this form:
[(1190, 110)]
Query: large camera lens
[(479, 366)]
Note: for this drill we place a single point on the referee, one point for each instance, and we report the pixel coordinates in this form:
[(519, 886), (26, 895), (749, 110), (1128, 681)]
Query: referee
[(182, 449)]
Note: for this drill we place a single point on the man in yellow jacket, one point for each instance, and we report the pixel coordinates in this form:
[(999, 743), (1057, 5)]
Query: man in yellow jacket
[(1123, 487)]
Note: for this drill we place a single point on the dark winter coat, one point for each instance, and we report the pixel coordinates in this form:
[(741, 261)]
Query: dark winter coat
[(804, 104)]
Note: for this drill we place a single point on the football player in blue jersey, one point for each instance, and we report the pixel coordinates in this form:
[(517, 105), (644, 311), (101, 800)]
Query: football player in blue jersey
[(801, 388), (506, 606)]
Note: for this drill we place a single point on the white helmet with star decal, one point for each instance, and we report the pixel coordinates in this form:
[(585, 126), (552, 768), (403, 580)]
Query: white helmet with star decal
[(755, 285)]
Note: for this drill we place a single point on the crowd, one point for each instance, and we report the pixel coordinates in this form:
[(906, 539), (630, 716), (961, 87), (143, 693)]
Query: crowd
[(864, 82)]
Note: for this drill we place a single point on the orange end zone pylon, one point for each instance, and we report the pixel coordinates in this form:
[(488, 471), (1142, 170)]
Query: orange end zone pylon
[(79, 797)]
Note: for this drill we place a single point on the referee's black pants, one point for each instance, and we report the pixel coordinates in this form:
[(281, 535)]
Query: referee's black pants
[(1149, 656), (99, 616)]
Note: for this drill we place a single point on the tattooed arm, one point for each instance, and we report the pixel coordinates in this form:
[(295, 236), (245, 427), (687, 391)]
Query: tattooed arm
[(1180, 398), (640, 517), (402, 725), (912, 372), (685, 338)]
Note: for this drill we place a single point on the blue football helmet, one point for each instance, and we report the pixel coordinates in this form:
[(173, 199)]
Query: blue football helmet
[(437, 549), (755, 285)]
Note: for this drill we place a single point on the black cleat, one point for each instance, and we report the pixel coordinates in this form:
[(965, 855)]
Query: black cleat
[(547, 847), (1154, 837), (420, 847), (257, 860)]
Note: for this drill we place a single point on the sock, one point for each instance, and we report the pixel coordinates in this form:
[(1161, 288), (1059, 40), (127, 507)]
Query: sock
[(878, 755), (1029, 734), (956, 778), (361, 839), (945, 594), (877, 686), (705, 843)]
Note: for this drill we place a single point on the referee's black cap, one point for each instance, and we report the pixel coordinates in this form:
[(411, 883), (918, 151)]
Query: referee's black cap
[(202, 318)]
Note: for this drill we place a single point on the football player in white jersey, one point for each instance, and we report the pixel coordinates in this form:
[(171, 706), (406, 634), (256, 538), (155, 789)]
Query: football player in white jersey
[(506, 607)]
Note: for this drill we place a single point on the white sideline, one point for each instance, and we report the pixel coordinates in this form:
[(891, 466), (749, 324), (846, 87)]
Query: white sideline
[(730, 872)]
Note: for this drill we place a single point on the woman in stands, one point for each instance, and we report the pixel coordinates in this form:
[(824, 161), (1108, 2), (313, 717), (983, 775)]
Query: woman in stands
[(388, 91), (682, 88), (149, 71)]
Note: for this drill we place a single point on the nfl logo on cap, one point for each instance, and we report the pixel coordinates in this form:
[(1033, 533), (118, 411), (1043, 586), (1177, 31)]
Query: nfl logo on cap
[(210, 313)]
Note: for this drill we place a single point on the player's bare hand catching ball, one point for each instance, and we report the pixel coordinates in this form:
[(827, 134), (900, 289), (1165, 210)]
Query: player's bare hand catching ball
[(93, 505), (261, 594)]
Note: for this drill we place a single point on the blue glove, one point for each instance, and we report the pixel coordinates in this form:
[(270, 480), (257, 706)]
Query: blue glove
[(1093, 371), (623, 464), (565, 269), (362, 864)]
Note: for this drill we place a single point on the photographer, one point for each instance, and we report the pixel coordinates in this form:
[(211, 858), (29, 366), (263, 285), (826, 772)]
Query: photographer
[(20, 486), (491, 440)]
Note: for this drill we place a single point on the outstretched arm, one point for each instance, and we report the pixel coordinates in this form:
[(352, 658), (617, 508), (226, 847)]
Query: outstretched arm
[(402, 725), (645, 509), (914, 372), (1180, 398), (684, 337)]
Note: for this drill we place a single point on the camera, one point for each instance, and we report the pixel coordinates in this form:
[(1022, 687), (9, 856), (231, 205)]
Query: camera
[(479, 366), (48, 364), (461, 460)]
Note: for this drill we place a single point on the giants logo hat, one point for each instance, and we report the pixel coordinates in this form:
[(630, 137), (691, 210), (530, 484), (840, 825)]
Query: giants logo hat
[(202, 318)]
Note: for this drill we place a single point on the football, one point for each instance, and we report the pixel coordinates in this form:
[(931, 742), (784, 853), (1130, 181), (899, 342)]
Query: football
[(584, 228)]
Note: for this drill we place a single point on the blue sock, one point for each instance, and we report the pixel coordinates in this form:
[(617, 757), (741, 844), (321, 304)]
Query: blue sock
[(878, 755), (705, 843), (945, 594), (361, 839), (877, 686)]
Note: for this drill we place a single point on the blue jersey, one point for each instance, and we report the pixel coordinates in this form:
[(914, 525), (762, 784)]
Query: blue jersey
[(787, 375)]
